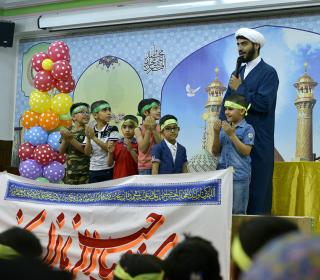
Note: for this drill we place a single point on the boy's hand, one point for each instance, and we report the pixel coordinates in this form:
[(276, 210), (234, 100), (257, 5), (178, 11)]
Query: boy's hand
[(127, 143), (110, 146), (66, 134), (90, 132), (148, 122), (228, 129), (217, 125)]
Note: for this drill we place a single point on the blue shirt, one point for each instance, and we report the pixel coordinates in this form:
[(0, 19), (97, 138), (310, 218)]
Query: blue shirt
[(231, 157)]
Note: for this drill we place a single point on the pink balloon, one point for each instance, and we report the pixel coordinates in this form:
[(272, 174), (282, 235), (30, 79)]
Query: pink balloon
[(37, 60), (66, 86), (44, 154), (26, 150), (44, 81), (62, 70), (58, 50)]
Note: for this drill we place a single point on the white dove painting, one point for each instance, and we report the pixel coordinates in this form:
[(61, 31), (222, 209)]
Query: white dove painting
[(190, 91)]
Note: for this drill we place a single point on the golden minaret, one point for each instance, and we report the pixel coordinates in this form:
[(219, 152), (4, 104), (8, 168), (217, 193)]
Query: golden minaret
[(215, 92), (304, 103)]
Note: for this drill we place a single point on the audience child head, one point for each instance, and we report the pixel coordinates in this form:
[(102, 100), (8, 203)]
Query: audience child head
[(252, 236), (193, 258), (137, 266), (149, 107), (30, 268), (101, 111), (19, 242), (80, 113), (169, 128), (128, 125), (292, 256), (236, 108)]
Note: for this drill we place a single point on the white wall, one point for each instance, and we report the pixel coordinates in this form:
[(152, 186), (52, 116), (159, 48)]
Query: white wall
[(8, 88), (25, 27)]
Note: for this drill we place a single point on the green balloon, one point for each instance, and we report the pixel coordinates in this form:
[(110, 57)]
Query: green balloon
[(42, 180)]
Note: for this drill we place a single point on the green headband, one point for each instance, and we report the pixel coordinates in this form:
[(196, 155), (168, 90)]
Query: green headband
[(127, 121), (234, 105), (7, 252), (79, 109), (123, 275), (239, 256), (101, 107), (167, 122), (148, 107)]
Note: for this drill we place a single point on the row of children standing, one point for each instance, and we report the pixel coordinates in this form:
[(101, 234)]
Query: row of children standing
[(100, 153)]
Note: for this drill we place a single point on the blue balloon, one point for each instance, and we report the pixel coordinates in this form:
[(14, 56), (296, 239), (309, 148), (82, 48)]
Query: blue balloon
[(36, 135), (54, 140)]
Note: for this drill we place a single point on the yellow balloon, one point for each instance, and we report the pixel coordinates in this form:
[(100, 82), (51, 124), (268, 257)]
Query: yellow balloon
[(61, 103), (39, 102), (47, 64)]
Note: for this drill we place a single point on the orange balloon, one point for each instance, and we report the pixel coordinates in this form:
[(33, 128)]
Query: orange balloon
[(29, 119), (49, 120), (65, 123)]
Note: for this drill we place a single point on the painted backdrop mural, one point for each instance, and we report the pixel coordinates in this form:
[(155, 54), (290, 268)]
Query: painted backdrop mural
[(188, 67)]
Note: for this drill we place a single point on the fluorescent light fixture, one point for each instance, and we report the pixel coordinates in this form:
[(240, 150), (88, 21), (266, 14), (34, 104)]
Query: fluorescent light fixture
[(158, 10), (188, 5)]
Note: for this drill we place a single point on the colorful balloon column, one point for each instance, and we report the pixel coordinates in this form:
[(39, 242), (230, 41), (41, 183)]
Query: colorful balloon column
[(50, 103)]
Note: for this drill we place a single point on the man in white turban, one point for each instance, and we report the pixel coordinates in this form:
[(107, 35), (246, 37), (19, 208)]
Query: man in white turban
[(258, 82)]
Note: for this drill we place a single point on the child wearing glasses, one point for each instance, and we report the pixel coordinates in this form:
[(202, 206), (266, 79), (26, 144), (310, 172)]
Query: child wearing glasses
[(77, 167), (124, 152), (233, 141), (169, 157)]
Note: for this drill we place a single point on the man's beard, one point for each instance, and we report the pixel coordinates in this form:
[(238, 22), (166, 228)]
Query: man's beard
[(250, 55)]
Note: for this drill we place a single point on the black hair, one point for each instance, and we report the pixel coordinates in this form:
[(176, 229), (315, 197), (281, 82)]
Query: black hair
[(165, 118), (22, 241), (136, 264), (257, 232), (30, 268), (132, 118), (193, 256), (145, 102), (238, 99), (75, 105), (98, 103)]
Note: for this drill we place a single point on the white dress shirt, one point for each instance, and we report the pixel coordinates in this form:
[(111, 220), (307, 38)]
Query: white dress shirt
[(250, 65), (173, 149)]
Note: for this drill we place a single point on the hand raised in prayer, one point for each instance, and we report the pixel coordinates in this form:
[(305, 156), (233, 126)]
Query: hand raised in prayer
[(228, 129), (217, 125)]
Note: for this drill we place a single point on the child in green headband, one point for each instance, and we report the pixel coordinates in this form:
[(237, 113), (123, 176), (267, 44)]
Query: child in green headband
[(77, 169), (124, 154), (97, 142), (169, 157), (233, 141), (139, 267), (148, 133)]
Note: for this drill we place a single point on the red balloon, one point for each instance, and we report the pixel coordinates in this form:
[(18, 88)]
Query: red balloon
[(62, 70), (58, 50), (26, 151), (66, 86), (37, 60), (44, 81), (62, 158), (44, 154)]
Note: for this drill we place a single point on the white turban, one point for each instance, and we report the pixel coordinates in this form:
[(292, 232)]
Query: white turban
[(252, 35)]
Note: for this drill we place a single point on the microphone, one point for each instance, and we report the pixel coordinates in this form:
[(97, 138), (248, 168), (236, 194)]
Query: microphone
[(239, 62)]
